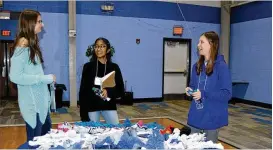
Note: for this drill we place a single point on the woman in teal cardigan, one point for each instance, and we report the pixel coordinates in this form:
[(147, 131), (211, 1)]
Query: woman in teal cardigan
[(27, 72)]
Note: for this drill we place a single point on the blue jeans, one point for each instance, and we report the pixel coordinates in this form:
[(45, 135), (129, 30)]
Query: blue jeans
[(40, 129), (110, 116), (211, 135)]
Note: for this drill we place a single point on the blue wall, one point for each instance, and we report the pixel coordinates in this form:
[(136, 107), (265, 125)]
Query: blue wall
[(251, 50), (8, 25), (54, 44), (41, 6), (154, 10), (141, 65), (149, 21)]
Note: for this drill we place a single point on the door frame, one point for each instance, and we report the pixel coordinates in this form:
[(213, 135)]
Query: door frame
[(163, 62), (7, 94)]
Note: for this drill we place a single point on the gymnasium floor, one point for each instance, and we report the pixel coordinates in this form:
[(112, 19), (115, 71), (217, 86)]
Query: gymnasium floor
[(249, 126)]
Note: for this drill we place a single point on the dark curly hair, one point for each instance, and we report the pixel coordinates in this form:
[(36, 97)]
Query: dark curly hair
[(91, 50)]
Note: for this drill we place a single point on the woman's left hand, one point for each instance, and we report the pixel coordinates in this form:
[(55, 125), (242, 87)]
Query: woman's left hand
[(104, 93), (196, 95)]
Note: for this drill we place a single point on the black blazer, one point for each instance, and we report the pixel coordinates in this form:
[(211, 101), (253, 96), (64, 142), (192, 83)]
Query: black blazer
[(89, 101)]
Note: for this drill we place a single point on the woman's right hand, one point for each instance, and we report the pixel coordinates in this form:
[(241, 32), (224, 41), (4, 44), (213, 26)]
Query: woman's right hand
[(187, 89), (54, 78)]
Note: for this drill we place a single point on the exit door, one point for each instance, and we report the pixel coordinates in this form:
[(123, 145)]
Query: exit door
[(176, 67)]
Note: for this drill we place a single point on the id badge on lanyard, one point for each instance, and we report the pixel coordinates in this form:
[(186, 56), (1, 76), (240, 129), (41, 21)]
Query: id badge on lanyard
[(97, 81)]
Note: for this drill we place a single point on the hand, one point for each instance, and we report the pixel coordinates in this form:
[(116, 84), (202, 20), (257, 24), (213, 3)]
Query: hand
[(54, 78), (196, 95), (104, 93), (188, 89)]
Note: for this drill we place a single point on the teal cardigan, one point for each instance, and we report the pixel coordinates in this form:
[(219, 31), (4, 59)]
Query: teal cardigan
[(33, 93)]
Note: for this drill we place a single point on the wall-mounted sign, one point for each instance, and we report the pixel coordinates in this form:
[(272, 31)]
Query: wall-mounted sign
[(5, 32), (178, 30)]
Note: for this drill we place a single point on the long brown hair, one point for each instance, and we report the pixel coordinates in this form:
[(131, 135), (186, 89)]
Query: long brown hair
[(26, 29), (213, 39)]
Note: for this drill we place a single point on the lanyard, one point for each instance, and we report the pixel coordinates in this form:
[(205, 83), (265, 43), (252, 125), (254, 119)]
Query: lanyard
[(97, 69)]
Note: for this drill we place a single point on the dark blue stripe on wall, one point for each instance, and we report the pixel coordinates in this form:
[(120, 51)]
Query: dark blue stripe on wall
[(42, 6), (138, 9), (154, 10), (251, 11)]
